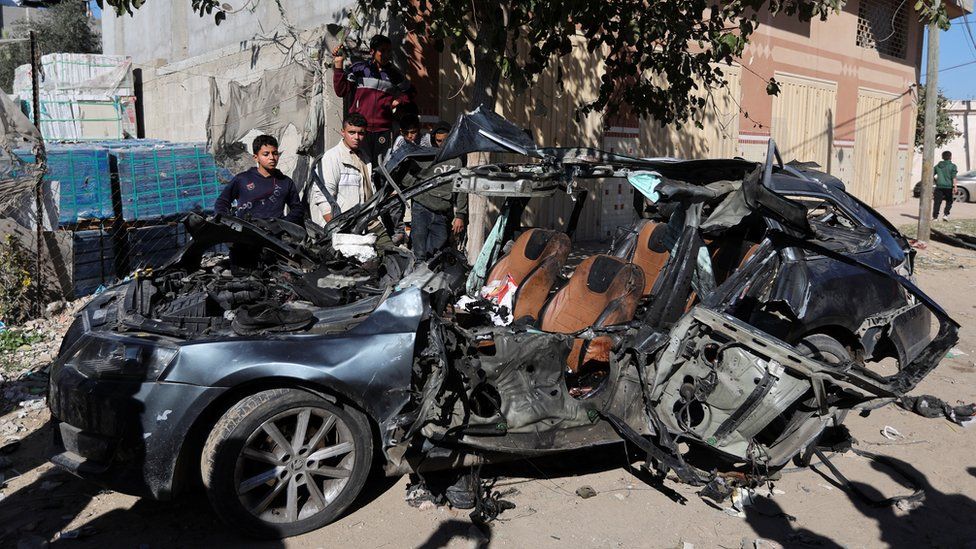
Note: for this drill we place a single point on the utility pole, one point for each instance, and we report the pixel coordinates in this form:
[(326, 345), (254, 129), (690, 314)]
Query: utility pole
[(40, 158), (928, 143)]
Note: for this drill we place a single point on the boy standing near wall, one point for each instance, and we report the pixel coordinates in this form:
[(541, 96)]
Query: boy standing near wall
[(346, 174), (377, 88), (945, 185), (262, 192)]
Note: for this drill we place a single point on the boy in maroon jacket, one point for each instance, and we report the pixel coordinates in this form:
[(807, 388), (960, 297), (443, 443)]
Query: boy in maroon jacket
[(377, 88)]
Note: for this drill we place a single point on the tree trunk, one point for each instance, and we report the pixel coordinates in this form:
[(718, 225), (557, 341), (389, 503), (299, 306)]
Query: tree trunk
[(487, 75)]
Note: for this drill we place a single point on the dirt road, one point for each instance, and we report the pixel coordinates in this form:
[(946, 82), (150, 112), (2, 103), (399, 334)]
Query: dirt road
[(806, 507)]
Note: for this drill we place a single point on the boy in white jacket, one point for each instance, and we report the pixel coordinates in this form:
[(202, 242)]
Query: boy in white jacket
[(347, 175)]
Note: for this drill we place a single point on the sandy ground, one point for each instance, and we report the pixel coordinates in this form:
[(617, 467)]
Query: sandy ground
[(807, 506)]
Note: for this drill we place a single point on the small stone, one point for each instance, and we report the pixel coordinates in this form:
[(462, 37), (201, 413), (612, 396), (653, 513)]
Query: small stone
[(585, 491)]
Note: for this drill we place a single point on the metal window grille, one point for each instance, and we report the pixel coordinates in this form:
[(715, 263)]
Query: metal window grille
[(883, 25)]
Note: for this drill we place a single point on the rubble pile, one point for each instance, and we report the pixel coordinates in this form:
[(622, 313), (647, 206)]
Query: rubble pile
[(23, 369)]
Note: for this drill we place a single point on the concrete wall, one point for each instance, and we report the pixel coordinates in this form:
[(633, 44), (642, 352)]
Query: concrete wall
[(11, 14), (963, 147), (190, 35), (177, 71)]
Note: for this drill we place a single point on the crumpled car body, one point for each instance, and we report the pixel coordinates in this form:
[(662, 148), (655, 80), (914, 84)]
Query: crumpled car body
[(779, 303)]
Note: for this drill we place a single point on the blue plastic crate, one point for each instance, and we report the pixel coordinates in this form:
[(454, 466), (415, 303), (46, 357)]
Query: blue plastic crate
[(93, 261), (84, 177), (153, 246), (168, 180)]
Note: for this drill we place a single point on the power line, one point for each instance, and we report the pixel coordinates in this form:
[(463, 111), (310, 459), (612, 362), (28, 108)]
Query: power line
[(957, 66), (969, 31)]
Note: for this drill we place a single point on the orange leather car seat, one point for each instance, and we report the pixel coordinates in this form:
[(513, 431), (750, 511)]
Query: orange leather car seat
[(603, 291), (534, 262), (650, 252)]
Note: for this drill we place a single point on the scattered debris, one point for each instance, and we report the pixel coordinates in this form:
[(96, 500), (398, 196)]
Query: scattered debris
[(585, 492), (78, 533), (908, 504), (931, 407), (959, 240), (955, 352), (891, 433), (761, 543), (419, 496)]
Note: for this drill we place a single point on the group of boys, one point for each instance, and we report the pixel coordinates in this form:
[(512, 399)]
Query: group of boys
[(375, 89)]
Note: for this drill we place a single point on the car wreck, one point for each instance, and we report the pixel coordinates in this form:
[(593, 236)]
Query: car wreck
[(751, 309)]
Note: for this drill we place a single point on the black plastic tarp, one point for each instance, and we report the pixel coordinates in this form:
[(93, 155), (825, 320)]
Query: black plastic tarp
[(485, 131)]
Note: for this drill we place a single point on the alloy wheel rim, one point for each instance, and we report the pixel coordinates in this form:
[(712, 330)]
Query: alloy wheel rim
[(294, 465)]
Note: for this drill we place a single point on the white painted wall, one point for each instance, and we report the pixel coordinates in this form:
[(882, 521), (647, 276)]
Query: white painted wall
[(169, 31), (178, 65), (963, 147)]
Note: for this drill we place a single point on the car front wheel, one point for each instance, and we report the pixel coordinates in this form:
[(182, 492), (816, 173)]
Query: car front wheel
[(284, 462)]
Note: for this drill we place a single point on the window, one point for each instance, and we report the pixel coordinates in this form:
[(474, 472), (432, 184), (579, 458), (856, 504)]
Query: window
[(883, 25)]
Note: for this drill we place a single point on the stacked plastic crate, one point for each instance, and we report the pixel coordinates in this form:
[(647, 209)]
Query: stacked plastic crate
[(156, 182), (81, 176), (164, 181)]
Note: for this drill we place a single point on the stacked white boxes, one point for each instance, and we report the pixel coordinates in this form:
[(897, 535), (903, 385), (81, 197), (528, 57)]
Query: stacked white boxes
[(84, 96)]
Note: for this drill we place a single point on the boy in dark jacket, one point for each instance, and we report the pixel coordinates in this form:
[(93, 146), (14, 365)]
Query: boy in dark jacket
[(262, 192), (377, 88)]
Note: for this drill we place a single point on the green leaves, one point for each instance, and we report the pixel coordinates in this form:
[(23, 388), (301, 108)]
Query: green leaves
[(730, 44), (927, 13), (945, 129), (202, 7)]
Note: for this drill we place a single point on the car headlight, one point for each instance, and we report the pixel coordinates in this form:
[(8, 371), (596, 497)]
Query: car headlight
[(104, 358)]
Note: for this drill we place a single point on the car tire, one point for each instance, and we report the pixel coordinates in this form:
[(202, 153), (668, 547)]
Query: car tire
[(257, 469), (960, 195), (826, 349)]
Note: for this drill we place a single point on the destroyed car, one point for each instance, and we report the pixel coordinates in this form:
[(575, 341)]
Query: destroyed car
[(750, 309)]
